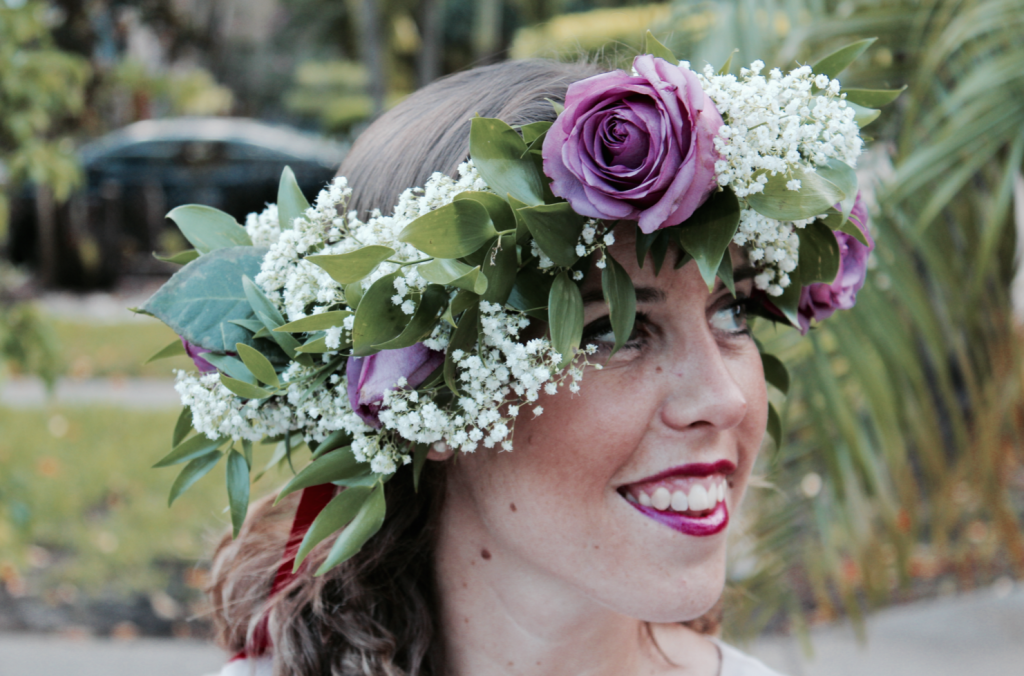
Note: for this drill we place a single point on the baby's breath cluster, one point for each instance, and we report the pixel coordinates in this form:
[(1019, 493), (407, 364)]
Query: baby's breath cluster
[(595, 236)]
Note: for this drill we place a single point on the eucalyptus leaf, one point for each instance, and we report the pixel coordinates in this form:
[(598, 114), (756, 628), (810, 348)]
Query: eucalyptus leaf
[(253, 325), (775, 372), (353, 294), (501, 156), (183, 426), (238, 489), (463, 338), (873, 98), (836, 62), (243, 389), (200, 301), (258, 365), (180, 258), (353, 266), (315, 346), (189, 449), (233, 366), (556, 229), (208, 229), (725, 274), (377, 319), (452, 231), (271, 317), (448, 272), (291, 203), (497, 208), (815, 196), (423, 321), (364, 526), (819, 254), (565, 313), (500, 267), (707, 233), (775, 426), (334, 440), (654, 47), (863, 116), (193, 472), (314, 323), (173, 349), (337, 514), (620, 296), (333, 466)]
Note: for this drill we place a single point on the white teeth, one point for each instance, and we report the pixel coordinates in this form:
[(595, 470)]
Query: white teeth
[(679, 501), (661, 498), (645, 499), (699, 499), (721, 492)]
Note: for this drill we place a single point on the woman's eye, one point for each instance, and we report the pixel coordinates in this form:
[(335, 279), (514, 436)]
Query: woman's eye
[(731, 318), (600, 333)]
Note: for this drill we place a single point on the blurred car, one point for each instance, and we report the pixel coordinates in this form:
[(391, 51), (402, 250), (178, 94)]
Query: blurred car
[(135, 175)]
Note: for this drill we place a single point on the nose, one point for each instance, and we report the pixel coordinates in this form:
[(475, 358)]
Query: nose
[(703, 390)]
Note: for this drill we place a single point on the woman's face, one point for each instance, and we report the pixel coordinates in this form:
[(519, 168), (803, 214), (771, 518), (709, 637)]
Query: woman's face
[(591, 496)]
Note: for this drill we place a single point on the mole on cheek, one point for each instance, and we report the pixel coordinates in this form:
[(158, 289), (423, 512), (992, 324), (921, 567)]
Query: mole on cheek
[(512, 506), (485, 554), (658, 370)]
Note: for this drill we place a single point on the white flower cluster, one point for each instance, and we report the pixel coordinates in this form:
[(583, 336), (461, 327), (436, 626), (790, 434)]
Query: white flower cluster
[(595, 236), (263, 228), (773, 246), (217, 412)]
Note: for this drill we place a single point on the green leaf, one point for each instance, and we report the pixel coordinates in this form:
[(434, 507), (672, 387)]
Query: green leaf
[(654, 47), (501, 157), (377, 319), (449, 272), (707, 233), (557, 228), (247, 451), (815, 196), (337, 514), (452, 231), (530, 292), (727, 66), (500, 267), (559, 108), (353, 294), (463, 301), (258, 365), (863, 116), (775, 372), (534, 134), (243, 389), (314, 323), (253, 325), (842, 176), (463, 338), (183, 426), (315, 346), (364, 526), (189, 449), (200, 301), (659, 248), (873, 98), (836, 62), (231, 366), (565, 311), (644, 242), (819, 254), (419, 459), (193, 472), (180, 258), (238, 489), (208, 229), (497, 208), (621, 298), (335, 440), (291, 203), (353, 266), (173, 349), (333, 466), (271, 317), (725, 274), (789, 302), (423, 321), (775, 426)]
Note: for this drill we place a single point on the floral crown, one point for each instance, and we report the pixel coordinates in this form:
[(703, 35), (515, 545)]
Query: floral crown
[(371, 341)]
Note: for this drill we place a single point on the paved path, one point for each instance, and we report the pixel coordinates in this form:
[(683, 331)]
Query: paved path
[(133, 393), (978, 633)]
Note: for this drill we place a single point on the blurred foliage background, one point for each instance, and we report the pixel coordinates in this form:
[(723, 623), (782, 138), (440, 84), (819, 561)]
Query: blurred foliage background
[(901, 474)]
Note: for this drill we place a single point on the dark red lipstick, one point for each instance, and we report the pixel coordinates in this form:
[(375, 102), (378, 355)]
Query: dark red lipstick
[(689, 499)]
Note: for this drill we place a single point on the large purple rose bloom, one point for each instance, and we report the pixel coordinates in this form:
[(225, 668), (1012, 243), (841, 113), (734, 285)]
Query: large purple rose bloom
[(819, 301), (369, 377), (635, 147)]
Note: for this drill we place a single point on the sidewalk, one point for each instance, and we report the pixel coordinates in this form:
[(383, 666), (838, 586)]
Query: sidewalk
[(131, 393)]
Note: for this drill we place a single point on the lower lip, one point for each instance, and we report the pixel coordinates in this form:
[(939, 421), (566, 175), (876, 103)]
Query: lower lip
[(713, 522)]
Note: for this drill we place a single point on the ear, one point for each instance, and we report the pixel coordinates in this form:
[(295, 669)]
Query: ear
[(440, 451)]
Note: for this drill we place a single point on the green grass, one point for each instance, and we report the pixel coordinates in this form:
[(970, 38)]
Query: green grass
[(116, 350)]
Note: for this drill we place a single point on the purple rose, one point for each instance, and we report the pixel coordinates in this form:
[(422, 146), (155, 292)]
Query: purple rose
[(194, 351), (819, 301), (369, 377), (638, 148)]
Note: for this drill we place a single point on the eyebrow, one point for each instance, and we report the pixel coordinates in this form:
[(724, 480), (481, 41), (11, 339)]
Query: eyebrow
[(649, 294)]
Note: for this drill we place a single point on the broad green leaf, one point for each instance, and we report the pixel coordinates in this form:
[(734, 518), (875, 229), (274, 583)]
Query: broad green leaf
[(843, 177), (364, 526), (556, 228), (200, 301), (291, 203), (183, 426), (232, 366), (423, 321), (522, 232), (863, 116), (189, 449), (534, 134), (314, 323), (659, 248), (180, 258), (335, 440), (644, 242), (463, 301), (775, 372), (377, 319), (353, 266), (271, 317), (333, 466), (789, 301), (497, 208), (501, 156), (775, 426), (449, 272), (173, 349), (253, 325), (419, 458), (238, 489), (258, 365), (243, 389), (353, 294), (834, 220), (836, 62), (247, 451), (337, 514), (815, 196), (208, 229), (500, 267), (452, 231), (725, 274), (654, 47), (565, 313), (463, 338), (314, 346), (530, 292), (873, 98), (707, 233), (819, 254), (621, 298), (558, 107), (193, 472)]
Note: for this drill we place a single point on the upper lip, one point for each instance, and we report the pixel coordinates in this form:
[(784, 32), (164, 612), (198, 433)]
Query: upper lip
[(697, 469)]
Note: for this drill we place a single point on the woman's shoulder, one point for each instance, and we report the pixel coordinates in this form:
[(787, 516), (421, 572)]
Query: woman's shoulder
[(737, 663)]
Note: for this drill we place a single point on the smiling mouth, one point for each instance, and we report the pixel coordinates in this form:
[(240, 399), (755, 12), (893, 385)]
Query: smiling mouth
[(691, 499)]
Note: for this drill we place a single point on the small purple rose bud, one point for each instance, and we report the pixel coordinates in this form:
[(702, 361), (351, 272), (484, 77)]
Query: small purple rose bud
[(369, 377), (194, 351)]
